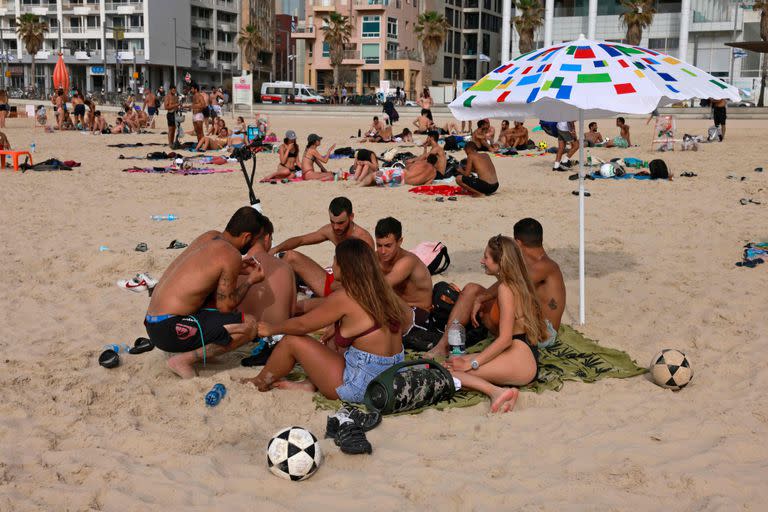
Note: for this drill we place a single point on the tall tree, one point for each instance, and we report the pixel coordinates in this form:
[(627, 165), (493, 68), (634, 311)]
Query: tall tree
[(431, 29), (31, 31), (530, 17), (251, 43), (637, 17), (762, 6), (337, 33)]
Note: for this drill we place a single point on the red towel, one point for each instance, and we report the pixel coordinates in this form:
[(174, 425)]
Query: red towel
[(439, 190)]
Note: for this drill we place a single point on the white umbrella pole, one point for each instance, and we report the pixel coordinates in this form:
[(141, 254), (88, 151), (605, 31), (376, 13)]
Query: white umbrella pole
[(582, 294)]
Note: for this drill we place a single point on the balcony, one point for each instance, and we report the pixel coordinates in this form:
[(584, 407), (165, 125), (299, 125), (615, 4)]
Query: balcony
[(200, 63), (323, 5), (412, 55), (371, 5), (129, 7), (303, 32), (39, 10), (223, 46), (228, 5), (202, 22), (81, 30), (352, 57)]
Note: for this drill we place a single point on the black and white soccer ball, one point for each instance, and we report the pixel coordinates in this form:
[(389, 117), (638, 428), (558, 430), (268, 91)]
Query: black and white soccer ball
[(294, 454), (671, 369)]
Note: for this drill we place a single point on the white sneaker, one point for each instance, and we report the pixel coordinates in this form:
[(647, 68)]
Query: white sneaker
[(148, 280), (134, 284)]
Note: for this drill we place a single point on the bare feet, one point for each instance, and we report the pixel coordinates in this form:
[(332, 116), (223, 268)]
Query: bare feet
[(304, 385), (504, 400), (181, 365), (438, 351)]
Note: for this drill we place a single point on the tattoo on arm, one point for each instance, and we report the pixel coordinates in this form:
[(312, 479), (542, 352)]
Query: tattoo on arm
[(236, 295), (552, 304)]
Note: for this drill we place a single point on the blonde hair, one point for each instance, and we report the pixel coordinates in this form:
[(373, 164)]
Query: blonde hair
[(364, 282), (513, 272)]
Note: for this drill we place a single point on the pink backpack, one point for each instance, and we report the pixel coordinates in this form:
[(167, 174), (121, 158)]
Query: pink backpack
[(434, 255)]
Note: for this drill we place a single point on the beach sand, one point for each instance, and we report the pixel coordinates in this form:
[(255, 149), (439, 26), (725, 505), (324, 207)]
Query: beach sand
[(660, 274)]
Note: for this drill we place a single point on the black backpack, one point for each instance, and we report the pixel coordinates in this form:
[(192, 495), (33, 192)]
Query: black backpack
[(658, 169), (444, 297), (451, 143), (346, 151)]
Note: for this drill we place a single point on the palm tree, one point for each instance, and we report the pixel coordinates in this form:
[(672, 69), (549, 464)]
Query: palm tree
[(31, 31), (251, 43), (431, 29), (337, 33), (531, 17), (638, 16), (762, 6)]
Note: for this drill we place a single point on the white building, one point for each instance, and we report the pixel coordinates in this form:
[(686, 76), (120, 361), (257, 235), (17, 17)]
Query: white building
[(138, 36), (710, 24)]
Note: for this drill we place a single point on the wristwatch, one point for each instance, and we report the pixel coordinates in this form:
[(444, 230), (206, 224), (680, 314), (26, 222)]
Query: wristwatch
[(474, 364)]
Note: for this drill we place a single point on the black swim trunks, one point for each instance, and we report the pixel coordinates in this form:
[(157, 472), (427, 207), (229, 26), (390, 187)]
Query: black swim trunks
[(719, 115), (174, 333), (4, 107), (79, 109), (152, 111), (481, 186), (170, 117)]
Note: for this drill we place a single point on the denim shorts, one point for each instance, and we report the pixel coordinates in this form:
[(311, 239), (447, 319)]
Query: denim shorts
[(552, 336), (360, 369)]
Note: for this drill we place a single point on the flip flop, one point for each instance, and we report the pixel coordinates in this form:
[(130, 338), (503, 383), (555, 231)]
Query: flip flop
[(758, 169), (744, 201), (142, 247), (453, 198), (176, 244), (586, 194), (439, 199), (141, 345), (109, 359), (688, 174)]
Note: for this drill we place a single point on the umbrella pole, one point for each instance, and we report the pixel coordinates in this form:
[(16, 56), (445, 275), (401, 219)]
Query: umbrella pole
[(582, 294)]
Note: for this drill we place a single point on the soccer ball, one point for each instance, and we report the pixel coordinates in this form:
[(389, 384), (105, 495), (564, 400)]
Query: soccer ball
[(671, 369), (294, 454), (543, 145)]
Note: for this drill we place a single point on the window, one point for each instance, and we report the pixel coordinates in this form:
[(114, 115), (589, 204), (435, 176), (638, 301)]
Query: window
[(93, 21), (326, 49), (371, 26), (371, 53), (137, 20), (447, 62), (392, 27)]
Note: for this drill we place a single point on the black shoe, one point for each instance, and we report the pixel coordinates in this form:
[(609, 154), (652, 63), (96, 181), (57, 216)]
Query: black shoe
[(350, 438), (365, 420)]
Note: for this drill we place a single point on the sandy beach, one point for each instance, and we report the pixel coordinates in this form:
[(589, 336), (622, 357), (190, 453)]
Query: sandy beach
[(660, 274)]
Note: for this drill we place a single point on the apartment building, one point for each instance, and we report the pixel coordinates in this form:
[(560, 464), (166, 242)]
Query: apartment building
[(383, 45), (261, 14), (119, 44)]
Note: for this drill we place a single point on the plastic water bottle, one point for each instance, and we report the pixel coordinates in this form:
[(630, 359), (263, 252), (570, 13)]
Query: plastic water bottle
[(299, 173), (266, 342), (589, 159), (214, 396), (457, 338), (32, 147), (103, 248), (169, 216)]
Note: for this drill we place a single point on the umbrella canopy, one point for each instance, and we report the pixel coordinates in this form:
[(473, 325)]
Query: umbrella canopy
[(60, 75), (586, 78), (594, 77)]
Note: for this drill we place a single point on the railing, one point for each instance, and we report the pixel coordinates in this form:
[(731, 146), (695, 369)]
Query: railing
[(50, 7), (413, 55), (226, 4), (708, 11), (323, 3), (353, 54), (304, 30), (80, 30), (372, 2), (112, 6)]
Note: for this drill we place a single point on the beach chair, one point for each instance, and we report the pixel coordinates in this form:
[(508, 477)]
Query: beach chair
[(664, 133)]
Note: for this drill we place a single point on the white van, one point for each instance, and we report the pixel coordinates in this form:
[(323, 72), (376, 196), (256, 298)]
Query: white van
[(278, 91)]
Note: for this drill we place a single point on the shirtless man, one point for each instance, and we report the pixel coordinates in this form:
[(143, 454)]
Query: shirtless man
[(421, 172), (423, 123), (486, 182), (594, 138), (623, 140), (374, 130), (519, 133), (505, 135), (403, 270), (180, 319), (199, 104), (341, 227), (150, 105), (431, 147), (483, 136), (544, 274), (171, 105), (274, 299)]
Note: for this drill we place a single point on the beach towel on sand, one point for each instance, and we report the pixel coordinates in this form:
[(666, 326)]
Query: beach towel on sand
[(176, 170), (627, 176), (571, 357), (439, 190)]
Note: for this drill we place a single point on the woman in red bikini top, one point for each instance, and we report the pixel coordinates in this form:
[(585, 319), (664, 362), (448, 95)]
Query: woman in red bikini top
[(369, 320)]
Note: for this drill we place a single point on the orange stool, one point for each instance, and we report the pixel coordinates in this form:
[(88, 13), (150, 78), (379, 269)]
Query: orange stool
[(15, 155)]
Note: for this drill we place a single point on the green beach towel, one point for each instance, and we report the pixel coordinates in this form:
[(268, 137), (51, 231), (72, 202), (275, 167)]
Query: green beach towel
[(572, 357)]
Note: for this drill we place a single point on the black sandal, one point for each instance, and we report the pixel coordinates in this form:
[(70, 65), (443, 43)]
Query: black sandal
[(141, 345)]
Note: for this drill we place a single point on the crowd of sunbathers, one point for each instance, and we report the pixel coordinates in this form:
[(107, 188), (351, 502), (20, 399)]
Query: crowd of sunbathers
[(231, 287)]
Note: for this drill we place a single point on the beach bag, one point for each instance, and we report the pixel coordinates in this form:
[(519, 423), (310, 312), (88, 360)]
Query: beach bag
[(452, 143), (612, 169), (713, 133), (347, 151), (434, 255), (444, 297), (389, 154), (408, 386), (658, 169), (549, 127)]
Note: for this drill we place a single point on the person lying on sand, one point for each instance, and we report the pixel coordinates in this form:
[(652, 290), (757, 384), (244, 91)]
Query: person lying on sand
[(341, 227), (544, 273), (219, 141), (404, 136), (192, 309), (478, 176), (432, 147), (369, 321), (514, 317), (403, 270), (288, 158), (274, 298), (366, 164), (593, 138), (313, 157)]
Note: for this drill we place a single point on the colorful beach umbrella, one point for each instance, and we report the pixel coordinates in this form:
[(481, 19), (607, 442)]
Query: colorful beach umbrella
[(586, 78), (60, 74)]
